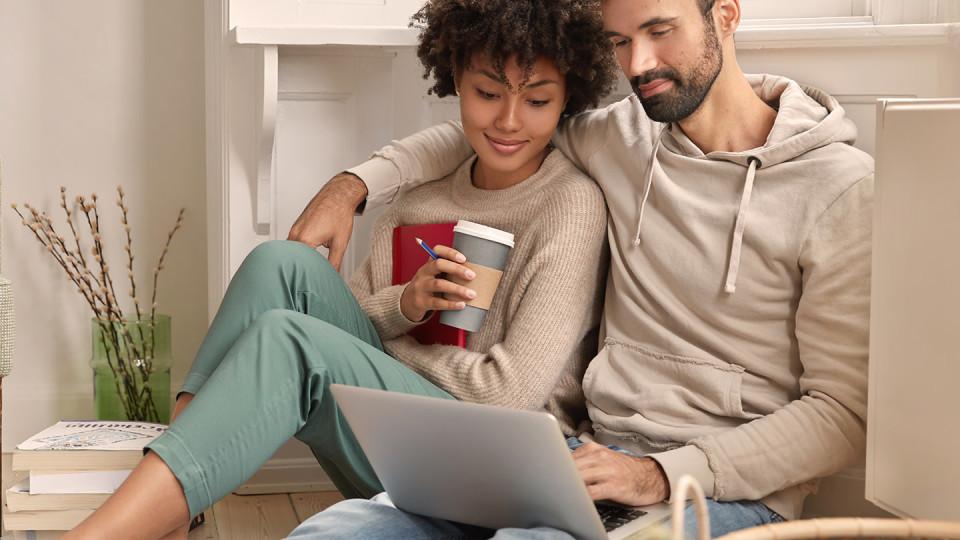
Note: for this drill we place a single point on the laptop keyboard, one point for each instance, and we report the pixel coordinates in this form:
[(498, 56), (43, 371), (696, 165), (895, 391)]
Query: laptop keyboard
[(614, 517)]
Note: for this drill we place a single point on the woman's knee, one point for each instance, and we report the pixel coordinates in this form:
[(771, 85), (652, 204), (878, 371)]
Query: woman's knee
[(286, 255)]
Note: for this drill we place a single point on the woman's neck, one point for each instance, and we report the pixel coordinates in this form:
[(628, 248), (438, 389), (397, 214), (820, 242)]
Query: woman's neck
[(484, 177)]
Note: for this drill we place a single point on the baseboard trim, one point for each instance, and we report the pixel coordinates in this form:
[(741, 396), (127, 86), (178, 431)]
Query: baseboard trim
[(287, 475)]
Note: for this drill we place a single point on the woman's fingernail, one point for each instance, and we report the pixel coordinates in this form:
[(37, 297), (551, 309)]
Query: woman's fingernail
[(461, 305), (460, 257), (470, 274), (471, 293)]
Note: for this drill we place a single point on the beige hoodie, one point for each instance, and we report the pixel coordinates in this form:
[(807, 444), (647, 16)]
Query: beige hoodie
[(736, 311)]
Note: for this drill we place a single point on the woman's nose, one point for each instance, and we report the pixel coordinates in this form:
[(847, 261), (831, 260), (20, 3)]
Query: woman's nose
[(508, 119)]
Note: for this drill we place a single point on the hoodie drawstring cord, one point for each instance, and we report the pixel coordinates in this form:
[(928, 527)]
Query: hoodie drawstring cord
[(648, 186), (734, 268)]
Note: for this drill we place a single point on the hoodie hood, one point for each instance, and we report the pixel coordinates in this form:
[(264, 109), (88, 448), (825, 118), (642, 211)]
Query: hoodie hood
[(807, 119)]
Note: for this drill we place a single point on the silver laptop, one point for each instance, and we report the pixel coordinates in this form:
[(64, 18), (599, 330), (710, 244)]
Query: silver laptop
[(480, 465)]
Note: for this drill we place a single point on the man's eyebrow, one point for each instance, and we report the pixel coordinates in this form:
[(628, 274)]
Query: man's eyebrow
[(657, 20), (651, 22)]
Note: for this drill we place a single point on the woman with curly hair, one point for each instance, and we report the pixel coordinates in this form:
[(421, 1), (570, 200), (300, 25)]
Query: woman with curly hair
[(289, 326)]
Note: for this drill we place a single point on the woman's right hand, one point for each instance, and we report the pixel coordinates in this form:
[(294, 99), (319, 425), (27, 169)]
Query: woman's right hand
[(421, 295)]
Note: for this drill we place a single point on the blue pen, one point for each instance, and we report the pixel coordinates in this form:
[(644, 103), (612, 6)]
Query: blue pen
[(426, 248)]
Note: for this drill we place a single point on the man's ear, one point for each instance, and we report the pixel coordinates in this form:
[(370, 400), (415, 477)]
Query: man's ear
[(727, 15)]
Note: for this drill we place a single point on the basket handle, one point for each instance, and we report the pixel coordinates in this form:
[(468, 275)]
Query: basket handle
[(685, 484)]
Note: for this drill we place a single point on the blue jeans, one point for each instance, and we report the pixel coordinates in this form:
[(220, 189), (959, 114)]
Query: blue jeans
[(377, 519)]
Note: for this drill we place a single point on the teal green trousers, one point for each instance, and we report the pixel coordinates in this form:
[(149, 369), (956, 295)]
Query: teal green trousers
[(287, 329)]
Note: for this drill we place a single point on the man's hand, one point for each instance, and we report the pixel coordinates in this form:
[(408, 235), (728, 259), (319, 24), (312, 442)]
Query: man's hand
[(328, 219), (617, 477)]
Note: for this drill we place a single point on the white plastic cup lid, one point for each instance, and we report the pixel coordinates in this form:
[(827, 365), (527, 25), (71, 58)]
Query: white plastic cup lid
[(482, 231)]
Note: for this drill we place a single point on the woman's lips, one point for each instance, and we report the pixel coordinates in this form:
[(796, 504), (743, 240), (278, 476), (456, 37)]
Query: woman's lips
[(505, 146), (656, 87)]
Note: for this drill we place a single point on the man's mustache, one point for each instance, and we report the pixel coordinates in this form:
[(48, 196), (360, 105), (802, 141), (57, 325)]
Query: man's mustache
[(650, 76)]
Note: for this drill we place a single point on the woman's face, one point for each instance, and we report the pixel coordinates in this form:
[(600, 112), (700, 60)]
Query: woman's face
[(509, 122)]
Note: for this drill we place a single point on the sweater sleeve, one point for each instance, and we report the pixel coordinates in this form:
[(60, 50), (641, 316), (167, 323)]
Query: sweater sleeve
[(404, 164), (558, 308), (825, 429), (370, 283)]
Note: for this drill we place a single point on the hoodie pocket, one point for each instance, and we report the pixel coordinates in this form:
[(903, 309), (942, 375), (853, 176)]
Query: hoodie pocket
[(663, 395)]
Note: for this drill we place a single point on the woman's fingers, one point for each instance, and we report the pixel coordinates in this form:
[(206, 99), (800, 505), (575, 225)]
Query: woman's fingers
[(451, 268), (451, 289), (449, 253), (435, 303)]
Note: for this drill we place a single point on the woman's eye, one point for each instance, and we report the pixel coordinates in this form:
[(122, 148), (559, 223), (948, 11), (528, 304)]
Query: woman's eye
[(539, 102), (485, 95), (620, 42), (661, 33)]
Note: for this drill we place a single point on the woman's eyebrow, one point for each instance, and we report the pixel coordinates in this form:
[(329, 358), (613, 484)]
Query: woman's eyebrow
[(540, 83), (491, 75)]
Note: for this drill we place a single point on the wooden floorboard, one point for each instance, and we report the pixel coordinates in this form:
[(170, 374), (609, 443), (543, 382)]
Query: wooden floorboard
[(308, 504), (255, 517)]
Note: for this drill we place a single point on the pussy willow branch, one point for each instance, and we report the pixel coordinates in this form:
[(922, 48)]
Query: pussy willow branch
[(133, 282), (97, 289), (156, 276)]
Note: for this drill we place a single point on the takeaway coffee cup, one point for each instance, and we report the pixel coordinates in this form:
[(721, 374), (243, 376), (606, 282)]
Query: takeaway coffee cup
[(486, 250)]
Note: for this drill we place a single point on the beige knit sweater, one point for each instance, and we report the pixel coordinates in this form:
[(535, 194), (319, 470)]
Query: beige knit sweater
[(541, 329)]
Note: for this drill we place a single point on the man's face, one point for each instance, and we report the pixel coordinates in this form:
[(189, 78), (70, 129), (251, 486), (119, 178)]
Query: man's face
[(667, 49)]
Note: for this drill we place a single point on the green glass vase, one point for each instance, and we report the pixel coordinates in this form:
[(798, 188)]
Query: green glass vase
[(131, 369)]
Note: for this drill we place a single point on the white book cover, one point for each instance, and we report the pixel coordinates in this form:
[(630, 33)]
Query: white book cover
[(20, 499), (49, 482), (94, 435)]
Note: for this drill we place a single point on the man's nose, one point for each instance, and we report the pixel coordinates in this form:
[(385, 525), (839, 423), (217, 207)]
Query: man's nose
[(641, 59)]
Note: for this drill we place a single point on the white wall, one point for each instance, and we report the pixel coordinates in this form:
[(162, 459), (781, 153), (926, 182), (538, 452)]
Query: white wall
[(94, 94)]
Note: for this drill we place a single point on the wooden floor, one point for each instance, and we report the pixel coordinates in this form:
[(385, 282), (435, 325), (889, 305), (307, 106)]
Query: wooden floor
[(237, 517), (256, 517)]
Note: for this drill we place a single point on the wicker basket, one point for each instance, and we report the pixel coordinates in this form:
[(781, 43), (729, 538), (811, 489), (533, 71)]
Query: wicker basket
[(6, 328), (804, 529)]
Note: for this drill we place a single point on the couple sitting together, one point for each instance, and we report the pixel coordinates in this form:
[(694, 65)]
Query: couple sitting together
[(689, 282)]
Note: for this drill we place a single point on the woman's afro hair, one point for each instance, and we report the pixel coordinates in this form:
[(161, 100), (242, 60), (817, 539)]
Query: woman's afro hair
[(568, 32)]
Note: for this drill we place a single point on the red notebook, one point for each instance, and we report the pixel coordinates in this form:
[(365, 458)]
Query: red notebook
[(408, 257)]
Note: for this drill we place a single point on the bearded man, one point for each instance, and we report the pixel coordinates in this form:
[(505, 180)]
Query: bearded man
[(735, 333)]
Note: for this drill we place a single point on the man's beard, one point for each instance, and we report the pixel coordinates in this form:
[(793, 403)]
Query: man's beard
[(689, 90)]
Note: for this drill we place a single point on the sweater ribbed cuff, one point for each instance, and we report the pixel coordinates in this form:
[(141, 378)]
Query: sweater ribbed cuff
[(382, 178), (686, 460), (383, 309)]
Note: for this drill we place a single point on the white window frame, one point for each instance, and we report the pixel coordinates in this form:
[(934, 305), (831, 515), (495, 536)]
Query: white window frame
[(862, 12)]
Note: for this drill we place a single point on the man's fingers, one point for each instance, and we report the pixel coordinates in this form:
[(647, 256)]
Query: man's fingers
[(336, 248), (587, 449), (600, 491), (594, 475)]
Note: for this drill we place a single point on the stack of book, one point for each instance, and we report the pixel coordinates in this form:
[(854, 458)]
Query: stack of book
[(71, 469)]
